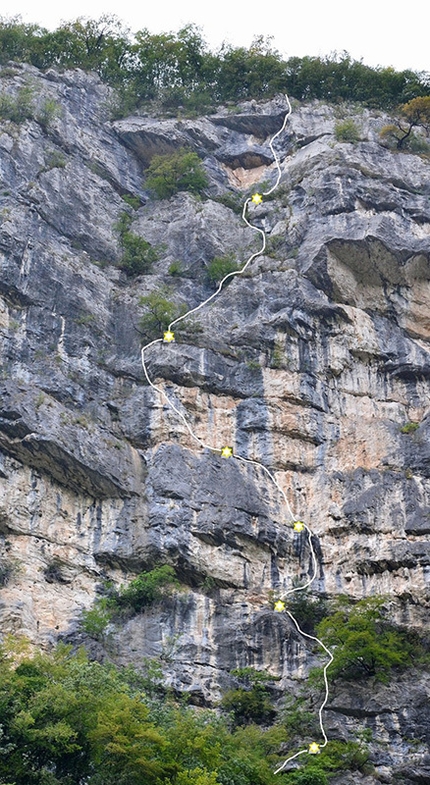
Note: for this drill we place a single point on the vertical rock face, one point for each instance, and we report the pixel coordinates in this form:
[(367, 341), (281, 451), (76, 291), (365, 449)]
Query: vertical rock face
[(316, 364)]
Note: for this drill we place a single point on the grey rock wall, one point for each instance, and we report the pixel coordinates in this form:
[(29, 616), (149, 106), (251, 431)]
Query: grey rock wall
[(312, 363)]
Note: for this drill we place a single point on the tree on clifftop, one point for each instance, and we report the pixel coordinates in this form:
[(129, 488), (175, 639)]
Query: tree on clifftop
[(414, 113)]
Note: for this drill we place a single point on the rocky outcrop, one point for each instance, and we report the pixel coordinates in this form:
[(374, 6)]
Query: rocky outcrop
[(316, 363)]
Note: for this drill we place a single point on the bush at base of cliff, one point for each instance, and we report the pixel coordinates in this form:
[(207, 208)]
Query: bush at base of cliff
[(312, 776), (180, 171), (250, 702)]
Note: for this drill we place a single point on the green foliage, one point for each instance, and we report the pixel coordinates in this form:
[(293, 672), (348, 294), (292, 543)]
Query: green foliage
[(365, 643), (138, 255), (336, 756), (54, 717), (54, 160), (95, 621), (311, 776), (160, 312), (180, 171), (147, 588), (299, 720), (220, 266), (346, 131), (250, 702), (307, 609), (179, 72), (410, 427), (175, 269), (275, 247), (132, 201), (19, 107), (232, 200), (49, 111), (66, 721)]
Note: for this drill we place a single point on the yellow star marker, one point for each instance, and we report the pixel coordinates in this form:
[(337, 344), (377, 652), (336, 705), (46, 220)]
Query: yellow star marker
[(256, 198), (168, 336), (226, 452), (279, 606), (299, 526), (314, 748)]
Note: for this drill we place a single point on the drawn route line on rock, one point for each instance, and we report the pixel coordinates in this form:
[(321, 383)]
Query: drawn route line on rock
[(227, 452)]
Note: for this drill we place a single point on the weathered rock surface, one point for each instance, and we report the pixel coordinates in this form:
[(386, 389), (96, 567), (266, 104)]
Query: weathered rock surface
[(312, 363)]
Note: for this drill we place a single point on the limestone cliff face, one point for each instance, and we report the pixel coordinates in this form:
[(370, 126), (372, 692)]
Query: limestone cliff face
[(311, 364)]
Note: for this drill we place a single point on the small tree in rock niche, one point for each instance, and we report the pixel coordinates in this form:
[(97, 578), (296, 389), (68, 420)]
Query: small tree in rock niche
[(413, 114), (160, 311)]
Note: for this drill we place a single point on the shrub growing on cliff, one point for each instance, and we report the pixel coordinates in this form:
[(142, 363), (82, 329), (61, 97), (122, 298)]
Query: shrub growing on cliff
[(19, 107), (307, 609), (412, 114), (346, 131), (220, 266), (138, 255), (147, 588), (363, 641), (180, 171), (160, 312)]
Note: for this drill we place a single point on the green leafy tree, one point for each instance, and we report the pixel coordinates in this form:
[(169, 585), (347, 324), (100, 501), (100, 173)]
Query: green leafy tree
[(250, 702), (180, 171), (363, 641), (308, 609), (249, 73), (160, 311)]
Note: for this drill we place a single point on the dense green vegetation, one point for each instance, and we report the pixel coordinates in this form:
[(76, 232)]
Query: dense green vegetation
[(144, 590), (179, 71), (250, 700), (364, 641), (179, 171), (68, 721)]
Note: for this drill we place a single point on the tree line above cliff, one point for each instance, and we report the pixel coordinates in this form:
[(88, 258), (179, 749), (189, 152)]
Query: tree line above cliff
[(179, 70)]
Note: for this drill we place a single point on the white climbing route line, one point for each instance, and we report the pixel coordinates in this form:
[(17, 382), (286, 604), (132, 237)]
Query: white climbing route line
[(227, 452)]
